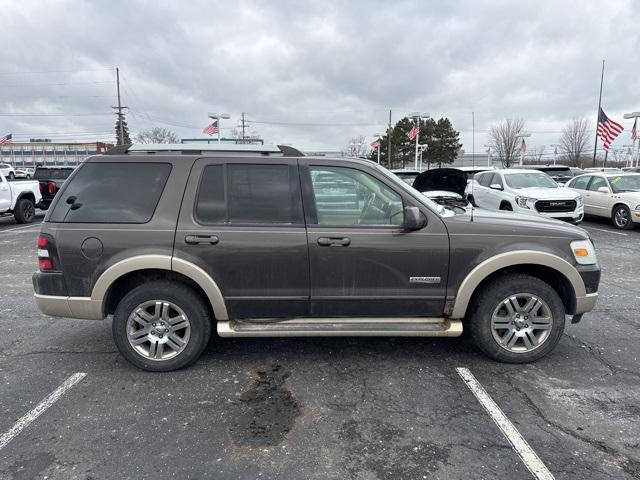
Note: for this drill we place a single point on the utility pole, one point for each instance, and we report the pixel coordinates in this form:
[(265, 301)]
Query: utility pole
[(242, 127), (389, 163), (595, 146), (119, 109)]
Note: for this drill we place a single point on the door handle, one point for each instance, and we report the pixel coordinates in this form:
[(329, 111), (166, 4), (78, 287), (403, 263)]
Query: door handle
[(334, 241), (201, 239)]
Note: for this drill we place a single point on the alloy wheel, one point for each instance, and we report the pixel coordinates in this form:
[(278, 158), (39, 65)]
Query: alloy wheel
[(158, 330), (621, 218), (521, 323)]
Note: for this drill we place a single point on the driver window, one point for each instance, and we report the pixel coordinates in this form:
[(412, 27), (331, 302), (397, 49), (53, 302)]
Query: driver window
[(347, 197)]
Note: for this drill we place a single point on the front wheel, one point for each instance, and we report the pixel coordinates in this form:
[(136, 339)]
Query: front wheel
[(516, 319), (621, 217), (25, 211), (161, 326)]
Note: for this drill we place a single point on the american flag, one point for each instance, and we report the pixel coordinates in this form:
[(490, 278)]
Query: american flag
[(6, 139), (212, 129), (375, 144), (413, 133), (634, 132), (523, 146), (607, 129)]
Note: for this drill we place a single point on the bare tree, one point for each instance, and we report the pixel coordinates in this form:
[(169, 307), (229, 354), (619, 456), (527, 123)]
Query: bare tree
[(157, 135), (357, 147), (575, 139), (504, 140)]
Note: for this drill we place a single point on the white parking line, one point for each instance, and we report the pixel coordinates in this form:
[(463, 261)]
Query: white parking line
[(606, 231), (40, 408), (519, 444)]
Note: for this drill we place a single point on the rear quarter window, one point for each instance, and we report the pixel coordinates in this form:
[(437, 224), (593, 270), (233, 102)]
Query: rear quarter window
[(112, 193)]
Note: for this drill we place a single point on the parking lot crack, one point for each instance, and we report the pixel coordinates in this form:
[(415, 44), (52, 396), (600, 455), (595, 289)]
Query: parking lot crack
[(597, 354)]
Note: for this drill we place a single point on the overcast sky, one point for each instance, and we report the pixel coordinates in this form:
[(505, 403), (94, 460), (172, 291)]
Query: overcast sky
[(316, 72)]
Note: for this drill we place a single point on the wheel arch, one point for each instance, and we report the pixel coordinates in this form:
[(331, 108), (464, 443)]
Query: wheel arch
[(112, 285), (28, 195), (557, 272)]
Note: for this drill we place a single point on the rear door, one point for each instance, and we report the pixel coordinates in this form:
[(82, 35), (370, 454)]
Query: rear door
[(598, 202), (242, 222), (362, 263)]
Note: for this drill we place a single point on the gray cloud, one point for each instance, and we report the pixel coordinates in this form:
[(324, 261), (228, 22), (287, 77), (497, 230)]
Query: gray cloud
[(317, 63)]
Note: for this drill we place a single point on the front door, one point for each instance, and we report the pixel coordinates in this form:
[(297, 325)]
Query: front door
[(242, 223), (362, 263)]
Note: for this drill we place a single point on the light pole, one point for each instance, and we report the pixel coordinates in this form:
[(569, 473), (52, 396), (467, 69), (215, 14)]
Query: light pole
[(218, 117), (423, 148), (417, 116), (635, 116), (555, 153), (522, 136)]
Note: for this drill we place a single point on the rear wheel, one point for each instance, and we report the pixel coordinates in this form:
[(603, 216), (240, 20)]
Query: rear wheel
[(161, 326), (621, 217), (516, 319), (25, 211)]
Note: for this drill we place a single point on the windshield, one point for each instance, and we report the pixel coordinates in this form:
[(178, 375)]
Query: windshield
[(52, 173), (529, 180), (414, 193), (627, 183)]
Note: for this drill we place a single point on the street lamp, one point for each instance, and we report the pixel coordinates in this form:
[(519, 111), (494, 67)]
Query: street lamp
[(522, 136), (417, 116), (218, 117), (634, 115)]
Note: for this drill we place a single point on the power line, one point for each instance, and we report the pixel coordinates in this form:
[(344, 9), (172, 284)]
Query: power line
[(51, 114), (58, 71), (54, 84)]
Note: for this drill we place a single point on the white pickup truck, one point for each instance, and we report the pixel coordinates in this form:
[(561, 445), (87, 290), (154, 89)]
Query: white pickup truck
[(19, 198)]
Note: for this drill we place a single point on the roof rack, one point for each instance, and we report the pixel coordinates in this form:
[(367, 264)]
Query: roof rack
[(196, 149)]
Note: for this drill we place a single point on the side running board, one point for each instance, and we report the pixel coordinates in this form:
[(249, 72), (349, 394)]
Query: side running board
[(342, 327)]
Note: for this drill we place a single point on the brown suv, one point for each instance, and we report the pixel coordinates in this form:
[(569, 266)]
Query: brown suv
[(259, 241)]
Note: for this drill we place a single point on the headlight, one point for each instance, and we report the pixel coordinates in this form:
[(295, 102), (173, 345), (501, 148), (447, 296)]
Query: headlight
[(579, 201), (524, 201), (583, 252)]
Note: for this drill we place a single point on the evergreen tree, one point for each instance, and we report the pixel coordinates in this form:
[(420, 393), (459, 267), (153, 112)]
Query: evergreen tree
[(443, 142), (124, 138)]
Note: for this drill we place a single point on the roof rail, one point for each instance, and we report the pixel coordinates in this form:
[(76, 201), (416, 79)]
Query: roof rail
[(197, 149)]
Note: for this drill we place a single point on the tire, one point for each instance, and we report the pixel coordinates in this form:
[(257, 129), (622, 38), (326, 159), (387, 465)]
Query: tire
[(11, 176), (506, 206), (25, 211), (492, 300), (28, 176), (152, 326), (621, 217)]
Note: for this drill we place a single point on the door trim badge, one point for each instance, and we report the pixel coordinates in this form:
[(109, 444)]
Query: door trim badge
[(424, 279)]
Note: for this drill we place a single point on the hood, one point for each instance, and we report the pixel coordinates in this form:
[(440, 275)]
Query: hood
[(546, 193), (448, 179)]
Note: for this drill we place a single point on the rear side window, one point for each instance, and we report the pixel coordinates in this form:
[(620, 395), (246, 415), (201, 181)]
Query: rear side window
[(580, 183), (112, 193), (249, 194)]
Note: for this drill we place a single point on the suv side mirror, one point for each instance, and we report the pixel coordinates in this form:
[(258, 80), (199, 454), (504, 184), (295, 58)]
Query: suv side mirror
[(496, 186), (603, 189), (413, 219)]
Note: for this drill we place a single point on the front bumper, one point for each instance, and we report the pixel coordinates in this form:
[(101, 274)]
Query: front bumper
[(590, 275)]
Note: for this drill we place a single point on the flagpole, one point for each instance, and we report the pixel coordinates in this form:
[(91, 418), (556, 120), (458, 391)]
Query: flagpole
[(417, 139), (595, 146)]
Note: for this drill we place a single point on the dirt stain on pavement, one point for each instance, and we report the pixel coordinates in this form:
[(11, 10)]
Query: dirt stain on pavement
[(266, 411)]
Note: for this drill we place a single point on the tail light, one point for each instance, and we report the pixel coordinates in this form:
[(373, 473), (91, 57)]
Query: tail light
[(52, 187), (46, 253)]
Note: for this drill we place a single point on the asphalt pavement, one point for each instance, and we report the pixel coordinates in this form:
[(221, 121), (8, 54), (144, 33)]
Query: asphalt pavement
[(335, 408)]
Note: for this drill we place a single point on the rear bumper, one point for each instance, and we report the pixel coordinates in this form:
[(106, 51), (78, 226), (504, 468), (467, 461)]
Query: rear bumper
[(69, 307)]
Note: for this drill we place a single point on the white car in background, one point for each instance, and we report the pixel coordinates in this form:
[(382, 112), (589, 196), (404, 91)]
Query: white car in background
[(611, 195), (525, 191), (8, 171)]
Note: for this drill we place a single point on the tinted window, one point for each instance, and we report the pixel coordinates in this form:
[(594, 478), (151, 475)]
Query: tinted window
[(52, 173), (580, 183), (112, 193), (248, 193), (346, 196), (484, 179), (597, 182)]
